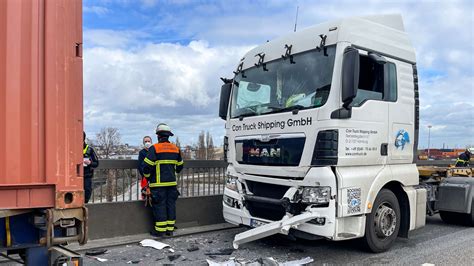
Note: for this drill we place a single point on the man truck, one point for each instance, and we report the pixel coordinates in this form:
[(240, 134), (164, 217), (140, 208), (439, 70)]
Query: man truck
[(321, 138)]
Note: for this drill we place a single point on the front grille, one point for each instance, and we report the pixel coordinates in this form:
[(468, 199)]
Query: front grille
[(266, 190), (264, 210)]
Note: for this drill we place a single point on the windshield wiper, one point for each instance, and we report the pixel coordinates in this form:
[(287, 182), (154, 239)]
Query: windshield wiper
[(294, 108)]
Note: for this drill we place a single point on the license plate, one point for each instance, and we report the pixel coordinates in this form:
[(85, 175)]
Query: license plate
[(256, 223)]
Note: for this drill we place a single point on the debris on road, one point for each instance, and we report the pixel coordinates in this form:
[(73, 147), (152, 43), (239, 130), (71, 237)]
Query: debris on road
[(192, 248), (269, 261), (96, 252), (97, 258), (224, 251), (174, 257), (298, 262), (133, 261), (154, 244)]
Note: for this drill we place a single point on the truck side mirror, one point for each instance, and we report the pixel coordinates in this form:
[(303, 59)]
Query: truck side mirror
[(350, 75), (224, 103)]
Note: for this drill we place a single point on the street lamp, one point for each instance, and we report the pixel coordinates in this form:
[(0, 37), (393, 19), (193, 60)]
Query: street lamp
[(429, 136)]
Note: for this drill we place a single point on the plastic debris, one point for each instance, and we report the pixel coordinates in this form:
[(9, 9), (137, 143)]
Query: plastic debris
[(269, 261), (98, 259), (297, 262), (225, 263), (133, 261), (154, 244)]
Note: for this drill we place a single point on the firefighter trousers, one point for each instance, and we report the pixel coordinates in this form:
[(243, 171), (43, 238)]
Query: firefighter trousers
[(164, 208)]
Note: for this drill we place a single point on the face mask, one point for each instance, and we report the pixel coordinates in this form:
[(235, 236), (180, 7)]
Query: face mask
[(147, 145)]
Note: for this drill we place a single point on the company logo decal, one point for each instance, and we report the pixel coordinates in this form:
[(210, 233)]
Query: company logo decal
[(401, 139)]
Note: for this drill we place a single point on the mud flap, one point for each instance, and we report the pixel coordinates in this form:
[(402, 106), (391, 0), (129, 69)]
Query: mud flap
[(278, 227)]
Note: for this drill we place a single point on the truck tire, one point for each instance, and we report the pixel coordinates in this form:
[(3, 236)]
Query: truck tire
[(383, 223)]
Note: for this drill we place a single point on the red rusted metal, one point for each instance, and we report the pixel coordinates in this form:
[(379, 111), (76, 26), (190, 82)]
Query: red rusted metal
[(41, 104)]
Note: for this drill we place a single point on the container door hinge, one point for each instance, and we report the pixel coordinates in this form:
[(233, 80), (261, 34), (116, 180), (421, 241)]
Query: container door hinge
[(79, 50)]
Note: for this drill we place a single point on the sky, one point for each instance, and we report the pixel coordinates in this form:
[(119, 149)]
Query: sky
[(153, 61)]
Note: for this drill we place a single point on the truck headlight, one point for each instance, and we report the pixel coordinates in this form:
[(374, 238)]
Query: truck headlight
[(316, 195), (231, 183)]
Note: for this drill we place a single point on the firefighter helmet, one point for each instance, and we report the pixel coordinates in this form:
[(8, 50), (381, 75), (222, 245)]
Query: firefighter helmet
[(163, 129)]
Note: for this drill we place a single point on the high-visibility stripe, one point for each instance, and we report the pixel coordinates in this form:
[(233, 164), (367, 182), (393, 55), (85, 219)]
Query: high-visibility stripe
[(164, 184), (166, 162), (146, 175), (85, 149), (170, 228), (161, 223), (171, 221), (460, 161), (180, 163), (150, 162), (161, 229), (7, 228)]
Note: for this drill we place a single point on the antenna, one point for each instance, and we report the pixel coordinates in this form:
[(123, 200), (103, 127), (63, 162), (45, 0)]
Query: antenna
[(296, 19)]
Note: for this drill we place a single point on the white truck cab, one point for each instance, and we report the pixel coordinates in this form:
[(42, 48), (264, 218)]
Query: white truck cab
[(321, 135)]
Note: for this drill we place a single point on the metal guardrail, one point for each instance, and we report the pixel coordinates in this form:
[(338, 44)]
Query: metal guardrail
[(119, 180)]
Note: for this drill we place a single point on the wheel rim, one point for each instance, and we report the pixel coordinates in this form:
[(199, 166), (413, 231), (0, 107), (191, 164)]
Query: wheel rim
[(385, 221)]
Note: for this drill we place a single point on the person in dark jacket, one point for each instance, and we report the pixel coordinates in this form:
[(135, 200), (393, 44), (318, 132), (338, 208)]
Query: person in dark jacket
[(464, 159), (162, 164), (90, 162), (147, 142)]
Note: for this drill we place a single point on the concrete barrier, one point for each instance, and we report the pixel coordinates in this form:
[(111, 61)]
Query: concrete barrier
[(112, 219)]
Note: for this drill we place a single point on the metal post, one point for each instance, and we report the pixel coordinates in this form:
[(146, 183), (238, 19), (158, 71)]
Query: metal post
[(429, 137)]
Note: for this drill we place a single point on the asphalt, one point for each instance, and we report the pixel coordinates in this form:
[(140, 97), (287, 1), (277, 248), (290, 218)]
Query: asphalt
[(437, 243)]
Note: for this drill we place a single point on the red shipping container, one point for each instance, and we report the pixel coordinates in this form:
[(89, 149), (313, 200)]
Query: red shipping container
[(41, 104)]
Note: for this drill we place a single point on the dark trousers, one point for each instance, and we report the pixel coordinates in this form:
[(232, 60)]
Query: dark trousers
[(87, 189), (164, 208)]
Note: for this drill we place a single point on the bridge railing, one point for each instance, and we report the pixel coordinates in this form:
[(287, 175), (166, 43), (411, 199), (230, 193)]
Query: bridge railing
[(119, 180)]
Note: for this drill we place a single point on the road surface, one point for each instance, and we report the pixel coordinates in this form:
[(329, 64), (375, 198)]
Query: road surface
[(437, 243)]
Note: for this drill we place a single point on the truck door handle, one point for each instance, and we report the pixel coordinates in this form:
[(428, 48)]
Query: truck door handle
[(384, 149)]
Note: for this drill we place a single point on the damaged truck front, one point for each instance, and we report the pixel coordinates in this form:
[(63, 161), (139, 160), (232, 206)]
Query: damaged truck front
[(321, 132)]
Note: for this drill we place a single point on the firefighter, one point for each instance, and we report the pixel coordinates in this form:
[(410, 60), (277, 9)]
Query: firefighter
[(147, 143), (162, 164), (90, 162), (464, 159)]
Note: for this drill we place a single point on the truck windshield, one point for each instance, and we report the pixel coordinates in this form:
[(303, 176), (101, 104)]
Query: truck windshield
[(284, 86)]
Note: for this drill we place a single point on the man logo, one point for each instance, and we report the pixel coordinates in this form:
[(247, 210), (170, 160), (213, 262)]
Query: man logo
[(264, 152)]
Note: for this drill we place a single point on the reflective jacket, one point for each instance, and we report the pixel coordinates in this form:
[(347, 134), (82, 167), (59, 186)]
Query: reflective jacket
[(162, 164), (88, 152), (463, 160)]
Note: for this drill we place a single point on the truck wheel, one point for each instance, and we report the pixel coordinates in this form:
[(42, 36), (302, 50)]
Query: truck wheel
[(383, 223)]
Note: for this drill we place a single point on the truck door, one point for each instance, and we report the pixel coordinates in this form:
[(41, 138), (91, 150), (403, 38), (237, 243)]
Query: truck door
[(365, 139), (399, 88)]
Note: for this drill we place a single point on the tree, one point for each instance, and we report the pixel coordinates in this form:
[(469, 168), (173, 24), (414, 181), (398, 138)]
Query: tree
[(209, 147), (108, 139)]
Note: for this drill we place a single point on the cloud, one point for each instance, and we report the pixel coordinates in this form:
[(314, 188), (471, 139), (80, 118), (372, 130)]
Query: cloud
[(178, 84), (170, 54), (98, 10)]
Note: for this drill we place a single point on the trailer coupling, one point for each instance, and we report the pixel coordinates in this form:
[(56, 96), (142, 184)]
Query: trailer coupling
[(278, 227)]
